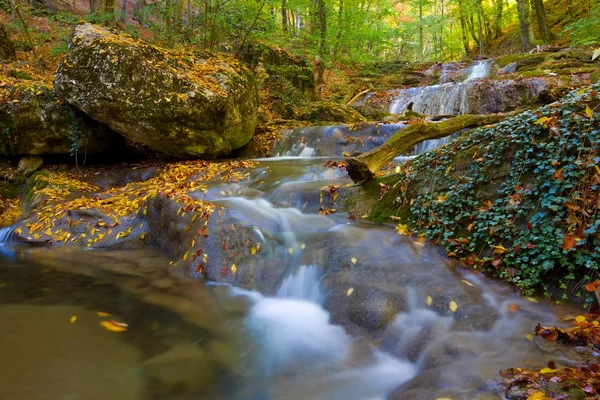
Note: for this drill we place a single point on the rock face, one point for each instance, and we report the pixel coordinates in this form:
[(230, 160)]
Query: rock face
[(281, 63), (7, 50), (33, 121), (192, 105)]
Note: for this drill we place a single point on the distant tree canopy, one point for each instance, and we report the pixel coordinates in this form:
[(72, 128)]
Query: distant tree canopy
[(350, 31)]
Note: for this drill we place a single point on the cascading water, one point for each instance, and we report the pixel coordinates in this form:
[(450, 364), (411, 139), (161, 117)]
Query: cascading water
[(479, 70), (429, 145), (5, 234), (472, 96), (302, 285), (354, 311), (296, 340)]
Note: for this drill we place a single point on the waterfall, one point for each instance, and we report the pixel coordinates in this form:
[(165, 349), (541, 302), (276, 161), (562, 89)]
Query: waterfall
[(302, 285), (6, 234), (429, 145), (299, 150), (446, 99), (469, 97), (479, 70)]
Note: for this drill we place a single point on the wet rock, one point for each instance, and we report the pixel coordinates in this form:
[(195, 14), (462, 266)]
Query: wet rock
[(334, 140), (192, 105), (33, 121), (7, 49), (184, 366), (331, 112), (29, 164), (508, 69)]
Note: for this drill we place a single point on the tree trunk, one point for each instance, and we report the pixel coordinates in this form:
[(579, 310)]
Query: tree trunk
[(7, 49), (109, 6), (322, 38), (525, 24), (540, 14), (123, 17), (498, 18), (365, 166), (479, 25), (420, 27), (284, 17), (465, 38), (138, 7)]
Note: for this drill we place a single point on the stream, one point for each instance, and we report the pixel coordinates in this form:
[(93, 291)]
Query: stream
[(356, 311), (332, 308)]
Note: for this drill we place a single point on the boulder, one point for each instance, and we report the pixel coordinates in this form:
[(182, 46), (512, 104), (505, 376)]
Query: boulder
[(7, 50), (187, 105), (33, 121), (29, 164)]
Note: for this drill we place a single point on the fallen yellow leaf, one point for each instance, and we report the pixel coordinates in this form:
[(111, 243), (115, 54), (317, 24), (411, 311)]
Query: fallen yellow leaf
[(537, 396), (453, 306), (580, 319), (103, 314), (589, 112), (429, 301), (114, 326), (73, 319), (547, 370), (233, 269), (349, 292), (353, 260)]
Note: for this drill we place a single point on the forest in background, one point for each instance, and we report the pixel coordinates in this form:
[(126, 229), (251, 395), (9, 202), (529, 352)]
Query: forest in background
[(332, 33)]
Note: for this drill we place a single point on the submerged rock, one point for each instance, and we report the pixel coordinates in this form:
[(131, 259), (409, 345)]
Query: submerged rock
[(187, 105)]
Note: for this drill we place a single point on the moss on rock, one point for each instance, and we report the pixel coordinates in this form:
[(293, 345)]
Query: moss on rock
[(187, 105), (33, 121)]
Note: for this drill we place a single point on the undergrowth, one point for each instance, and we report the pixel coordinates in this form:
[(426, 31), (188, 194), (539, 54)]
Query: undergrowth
[(540, 228)]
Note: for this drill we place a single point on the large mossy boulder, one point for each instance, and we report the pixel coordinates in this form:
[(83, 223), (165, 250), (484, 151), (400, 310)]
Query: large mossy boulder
[(187, 105), (7, 50), (33, 121)]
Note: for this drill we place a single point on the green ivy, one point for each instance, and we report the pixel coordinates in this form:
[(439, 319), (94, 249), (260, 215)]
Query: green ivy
[(537, 229)]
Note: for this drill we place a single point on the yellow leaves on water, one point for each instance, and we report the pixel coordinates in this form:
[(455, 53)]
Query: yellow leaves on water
[(114, 326), (349, 291), (537, 396), (103, 314), (453, 306)]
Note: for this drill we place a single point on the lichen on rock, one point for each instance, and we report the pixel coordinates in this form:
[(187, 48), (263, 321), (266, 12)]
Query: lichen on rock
[(185, 104)]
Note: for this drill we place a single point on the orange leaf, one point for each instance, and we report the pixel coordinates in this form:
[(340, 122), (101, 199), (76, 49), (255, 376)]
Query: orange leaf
[(590, 287), (569, 242)]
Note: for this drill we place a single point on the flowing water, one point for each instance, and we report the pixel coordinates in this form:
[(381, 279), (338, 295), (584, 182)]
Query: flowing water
[(355, 312), (329, 307), (471, 96)]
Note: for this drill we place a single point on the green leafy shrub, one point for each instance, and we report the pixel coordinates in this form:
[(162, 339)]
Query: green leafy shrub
[(520, 199)]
